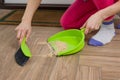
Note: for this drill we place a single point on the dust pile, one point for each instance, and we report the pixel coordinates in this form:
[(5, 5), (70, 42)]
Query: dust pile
[(60, 46)]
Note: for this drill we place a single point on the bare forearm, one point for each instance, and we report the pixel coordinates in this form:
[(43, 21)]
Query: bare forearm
[(111, 10), (31, 7)]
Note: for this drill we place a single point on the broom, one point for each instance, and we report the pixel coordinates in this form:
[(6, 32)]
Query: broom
[(23, 54)]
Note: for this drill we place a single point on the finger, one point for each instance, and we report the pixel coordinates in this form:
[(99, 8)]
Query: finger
[(83, 25), (20, 41), (97, 27), (92, 28), (18, 34), (28, 34), (89, 29), (23, 34), (86, 31)]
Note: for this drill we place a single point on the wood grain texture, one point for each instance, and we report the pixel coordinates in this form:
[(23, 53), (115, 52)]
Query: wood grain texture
[(92, 63)]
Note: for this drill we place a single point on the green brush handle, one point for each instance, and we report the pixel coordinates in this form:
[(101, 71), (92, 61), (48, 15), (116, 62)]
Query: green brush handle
[(25, 48)]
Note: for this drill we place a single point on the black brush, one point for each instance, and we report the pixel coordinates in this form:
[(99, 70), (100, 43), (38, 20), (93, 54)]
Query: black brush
[(23, 54)]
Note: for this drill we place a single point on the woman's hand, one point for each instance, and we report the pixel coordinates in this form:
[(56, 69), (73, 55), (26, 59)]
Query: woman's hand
[(23, 30), (93, 23)]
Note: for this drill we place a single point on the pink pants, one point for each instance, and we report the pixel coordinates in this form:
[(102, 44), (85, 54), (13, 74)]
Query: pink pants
[(77, 14)]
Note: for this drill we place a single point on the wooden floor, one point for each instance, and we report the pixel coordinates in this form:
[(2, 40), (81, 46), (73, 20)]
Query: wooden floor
[(92, 63)]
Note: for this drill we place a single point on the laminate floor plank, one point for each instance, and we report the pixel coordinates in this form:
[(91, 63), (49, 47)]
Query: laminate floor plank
[(92, 63)]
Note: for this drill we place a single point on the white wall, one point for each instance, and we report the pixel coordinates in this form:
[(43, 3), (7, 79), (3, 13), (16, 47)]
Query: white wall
[(43, 1)]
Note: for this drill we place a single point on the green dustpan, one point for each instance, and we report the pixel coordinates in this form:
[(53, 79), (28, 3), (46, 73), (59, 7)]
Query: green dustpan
[(72, 38)]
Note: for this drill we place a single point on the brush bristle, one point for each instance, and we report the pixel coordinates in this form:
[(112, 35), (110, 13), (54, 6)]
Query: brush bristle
[(20, 58)]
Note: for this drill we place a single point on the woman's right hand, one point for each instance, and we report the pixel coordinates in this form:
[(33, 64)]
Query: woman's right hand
[(23, 30)]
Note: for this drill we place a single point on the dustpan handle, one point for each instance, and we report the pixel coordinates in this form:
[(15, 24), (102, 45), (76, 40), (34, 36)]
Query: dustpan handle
[(83, 29)]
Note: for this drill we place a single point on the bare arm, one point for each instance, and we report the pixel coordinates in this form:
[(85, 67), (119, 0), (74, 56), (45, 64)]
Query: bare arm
[(32, 6), (94, 22), (111, 10), (24, 28)]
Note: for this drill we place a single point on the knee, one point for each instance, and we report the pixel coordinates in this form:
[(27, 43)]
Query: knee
[(63, 24), (66, 24)]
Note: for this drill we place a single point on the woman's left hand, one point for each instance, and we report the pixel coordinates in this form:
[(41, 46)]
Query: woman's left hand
[(93, 22)]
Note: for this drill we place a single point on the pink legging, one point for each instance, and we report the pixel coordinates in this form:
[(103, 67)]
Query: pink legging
[(77, 14)]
